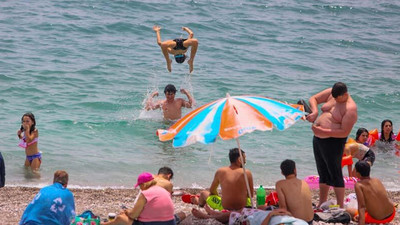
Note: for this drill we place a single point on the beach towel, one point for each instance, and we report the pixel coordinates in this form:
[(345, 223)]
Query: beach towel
[(256, 217), (53, 204)]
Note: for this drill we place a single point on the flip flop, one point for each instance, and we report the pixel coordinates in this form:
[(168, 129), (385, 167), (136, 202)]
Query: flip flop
[(187, 198)]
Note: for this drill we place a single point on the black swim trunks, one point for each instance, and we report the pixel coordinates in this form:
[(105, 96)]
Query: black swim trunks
[(369, 157), (179, 44), (328, 154)]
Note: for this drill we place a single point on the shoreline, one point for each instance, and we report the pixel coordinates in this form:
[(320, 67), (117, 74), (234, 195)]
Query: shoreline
[(13, 201)]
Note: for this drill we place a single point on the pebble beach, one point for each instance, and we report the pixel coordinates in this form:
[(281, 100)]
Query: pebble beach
[(13, 201)]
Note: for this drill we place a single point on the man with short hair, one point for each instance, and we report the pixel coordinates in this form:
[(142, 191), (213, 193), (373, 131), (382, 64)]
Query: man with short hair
[(294, 194), (163, 179), (234, 194), (374, 205), (331, 128), (53, 204), (171, 106)]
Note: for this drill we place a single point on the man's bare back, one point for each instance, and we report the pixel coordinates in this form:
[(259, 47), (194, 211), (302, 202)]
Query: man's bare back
[(371, 193), (295, 195), (233, 187)]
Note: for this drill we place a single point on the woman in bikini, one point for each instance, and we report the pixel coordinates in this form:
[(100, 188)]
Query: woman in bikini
[(29, 136), (178, 48)]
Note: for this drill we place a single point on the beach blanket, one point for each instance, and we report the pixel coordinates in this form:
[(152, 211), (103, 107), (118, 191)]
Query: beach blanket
[(53, 204), (256, 217)]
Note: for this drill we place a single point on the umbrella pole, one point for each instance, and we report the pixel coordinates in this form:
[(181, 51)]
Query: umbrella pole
[(245, 175)]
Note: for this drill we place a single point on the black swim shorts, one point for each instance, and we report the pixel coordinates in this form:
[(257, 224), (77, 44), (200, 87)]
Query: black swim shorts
[(369, 157), (328, 154), (179, 44)]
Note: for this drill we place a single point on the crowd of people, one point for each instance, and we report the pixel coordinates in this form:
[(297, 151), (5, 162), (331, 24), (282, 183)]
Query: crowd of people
[(54, 204)]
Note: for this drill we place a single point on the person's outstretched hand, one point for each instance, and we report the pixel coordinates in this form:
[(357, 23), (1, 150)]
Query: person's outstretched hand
[(156, 28)]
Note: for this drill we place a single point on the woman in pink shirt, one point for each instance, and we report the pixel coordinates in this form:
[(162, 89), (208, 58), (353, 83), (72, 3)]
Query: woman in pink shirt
[(153, 207)]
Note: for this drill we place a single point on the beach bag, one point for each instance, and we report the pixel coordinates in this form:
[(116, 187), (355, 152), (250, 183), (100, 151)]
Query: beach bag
[(86, 218)]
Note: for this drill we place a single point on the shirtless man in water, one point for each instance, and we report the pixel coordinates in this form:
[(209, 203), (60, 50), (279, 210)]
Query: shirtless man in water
[(171, 107), (233, 186), (294, 194), (374, 205), (331, 128)]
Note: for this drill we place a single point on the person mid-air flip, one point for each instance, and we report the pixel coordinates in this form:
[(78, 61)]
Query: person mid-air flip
[(178, 47)]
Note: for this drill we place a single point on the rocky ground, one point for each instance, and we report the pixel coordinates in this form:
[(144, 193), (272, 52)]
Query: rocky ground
[(13, 201)]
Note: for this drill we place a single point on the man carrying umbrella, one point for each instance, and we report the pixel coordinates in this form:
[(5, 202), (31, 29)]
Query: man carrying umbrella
[(331, 128), (233, 186)]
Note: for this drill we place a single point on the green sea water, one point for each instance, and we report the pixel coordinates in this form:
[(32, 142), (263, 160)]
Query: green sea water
[(84, 68)]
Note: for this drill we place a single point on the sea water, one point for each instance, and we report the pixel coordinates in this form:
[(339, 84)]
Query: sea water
[(85, 68)]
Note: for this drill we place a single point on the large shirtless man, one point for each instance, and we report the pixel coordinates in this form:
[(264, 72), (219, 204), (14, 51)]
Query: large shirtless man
[(294, 194), (233, 186), (331, 128), (171, 106), (374, 205)]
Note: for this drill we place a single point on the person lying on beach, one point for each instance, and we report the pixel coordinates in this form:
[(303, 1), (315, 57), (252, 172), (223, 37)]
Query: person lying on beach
[(154, 205), (171, 106), (178, 47), (163, 179), (374, 205), (250, 216), (233, 186), (359, 151), (294, 194), (53, 204), (29, 136)]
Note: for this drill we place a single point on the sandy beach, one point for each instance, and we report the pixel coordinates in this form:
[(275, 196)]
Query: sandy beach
[(13, 201)]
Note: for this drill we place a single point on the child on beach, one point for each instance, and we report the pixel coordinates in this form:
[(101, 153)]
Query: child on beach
[(178, 47), (29, 141)]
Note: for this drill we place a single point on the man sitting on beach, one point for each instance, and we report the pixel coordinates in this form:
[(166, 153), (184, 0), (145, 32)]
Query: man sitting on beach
[(233, 186), (374, 205), (171, 107), (163, 179), (294, 194), (53, 204)]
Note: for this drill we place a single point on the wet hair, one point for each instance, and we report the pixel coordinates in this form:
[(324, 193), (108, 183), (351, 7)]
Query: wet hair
[(61, 176), (234, 154), (363, 168), (180, 58), (287, 167), (169, 88), (391, 132), (166, 171), (32, 117), (359, 132), (339, 89)]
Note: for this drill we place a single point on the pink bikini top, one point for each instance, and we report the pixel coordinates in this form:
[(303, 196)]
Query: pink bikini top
[(23, 144)]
